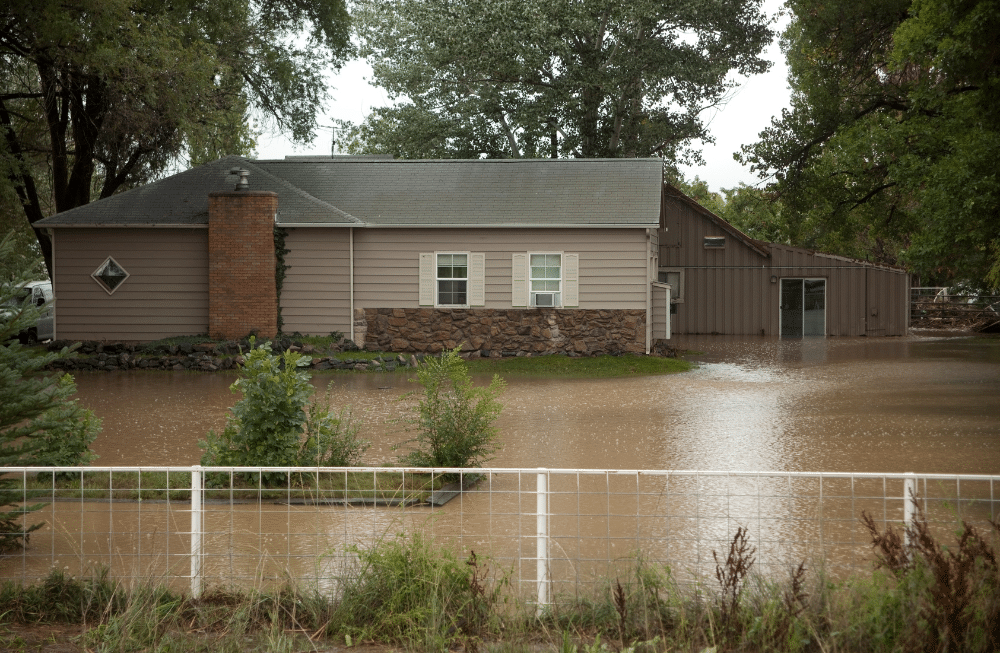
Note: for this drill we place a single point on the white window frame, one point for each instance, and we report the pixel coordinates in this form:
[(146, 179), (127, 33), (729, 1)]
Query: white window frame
[(438, 280), (676, 293), (561, 280), (718, 242)]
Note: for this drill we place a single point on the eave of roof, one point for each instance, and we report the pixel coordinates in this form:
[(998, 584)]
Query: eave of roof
[(758, 246)]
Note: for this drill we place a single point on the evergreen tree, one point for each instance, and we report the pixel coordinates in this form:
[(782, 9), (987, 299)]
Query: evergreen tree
[(40, 423)]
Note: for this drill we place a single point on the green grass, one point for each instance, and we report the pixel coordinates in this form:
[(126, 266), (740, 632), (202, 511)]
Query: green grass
[(159, 486), (407, 593), (597, 367)]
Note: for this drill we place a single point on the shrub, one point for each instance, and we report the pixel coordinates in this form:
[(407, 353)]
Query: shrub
[(407, 591), (454, 419), (274, 424), (40, 423)]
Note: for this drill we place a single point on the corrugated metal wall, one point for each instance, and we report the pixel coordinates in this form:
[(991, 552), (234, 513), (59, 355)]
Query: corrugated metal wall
[(730, 290)]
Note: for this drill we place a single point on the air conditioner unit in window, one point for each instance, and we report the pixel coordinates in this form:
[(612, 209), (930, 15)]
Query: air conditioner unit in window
[(545, 299)]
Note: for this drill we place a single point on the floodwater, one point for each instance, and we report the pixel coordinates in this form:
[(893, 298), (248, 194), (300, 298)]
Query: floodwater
[(915, 404)]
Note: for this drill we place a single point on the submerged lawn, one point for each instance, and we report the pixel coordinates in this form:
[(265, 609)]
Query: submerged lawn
[(597, 367), (384, 486)]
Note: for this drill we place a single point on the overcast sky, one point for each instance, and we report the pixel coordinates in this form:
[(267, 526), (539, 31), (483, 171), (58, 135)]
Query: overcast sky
[(737, 123)]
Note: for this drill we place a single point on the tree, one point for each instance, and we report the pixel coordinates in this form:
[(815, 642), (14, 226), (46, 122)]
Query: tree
[(888, 150), (571, 78), (101, 95), (698, 190), (274, 424), (754, 211), (40, 423), (454, 419)]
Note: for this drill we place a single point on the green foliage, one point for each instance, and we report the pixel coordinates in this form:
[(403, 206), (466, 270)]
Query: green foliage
[(275, 425), (888, 150), (540, 78), (698, 190), (103, 95), (280, 268), (454, 419), (756, 213), (331, 439), (406, 591), (40, 423)]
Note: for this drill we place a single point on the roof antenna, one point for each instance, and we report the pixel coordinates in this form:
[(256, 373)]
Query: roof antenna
[(243, 184), (333, 141)]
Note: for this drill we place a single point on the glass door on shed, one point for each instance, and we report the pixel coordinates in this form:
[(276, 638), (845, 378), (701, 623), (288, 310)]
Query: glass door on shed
[(803, 307)]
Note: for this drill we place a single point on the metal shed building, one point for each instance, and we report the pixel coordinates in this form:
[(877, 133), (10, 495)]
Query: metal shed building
[(725, 282)]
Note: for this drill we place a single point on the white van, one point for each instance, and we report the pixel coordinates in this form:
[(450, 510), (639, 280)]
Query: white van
[(38, 293)]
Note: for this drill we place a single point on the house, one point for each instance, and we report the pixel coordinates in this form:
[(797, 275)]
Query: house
[(725, 282), (493, 255), (535, 256)]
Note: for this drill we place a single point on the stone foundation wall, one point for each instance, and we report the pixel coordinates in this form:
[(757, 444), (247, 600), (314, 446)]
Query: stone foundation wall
[(499, 332)]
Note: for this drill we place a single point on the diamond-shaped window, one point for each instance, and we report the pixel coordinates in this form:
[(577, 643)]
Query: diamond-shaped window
[(110, 275)]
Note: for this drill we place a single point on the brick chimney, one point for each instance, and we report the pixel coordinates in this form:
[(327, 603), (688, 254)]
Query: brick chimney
[(242, 296)]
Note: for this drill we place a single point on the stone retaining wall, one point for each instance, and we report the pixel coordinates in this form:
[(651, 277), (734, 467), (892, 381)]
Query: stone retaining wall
[(502, 331), (214, 356)]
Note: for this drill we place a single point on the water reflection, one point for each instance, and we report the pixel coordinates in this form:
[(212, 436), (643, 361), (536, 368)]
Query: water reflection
[(929, 405), (879, 405)]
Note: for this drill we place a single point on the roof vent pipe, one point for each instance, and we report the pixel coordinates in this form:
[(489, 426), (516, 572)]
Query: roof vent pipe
[(243, 184)]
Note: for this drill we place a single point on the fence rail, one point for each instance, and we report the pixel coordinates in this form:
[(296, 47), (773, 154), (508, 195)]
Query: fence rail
[(554, 530), (944, 306)]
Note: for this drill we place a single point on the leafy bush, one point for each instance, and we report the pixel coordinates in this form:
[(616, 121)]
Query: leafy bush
[(454, 419), (274, 424)]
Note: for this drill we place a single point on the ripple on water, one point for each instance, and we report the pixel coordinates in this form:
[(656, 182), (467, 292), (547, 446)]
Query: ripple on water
[(753, 404)]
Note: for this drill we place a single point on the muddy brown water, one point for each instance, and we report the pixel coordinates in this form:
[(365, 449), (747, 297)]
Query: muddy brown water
[(921, 404)]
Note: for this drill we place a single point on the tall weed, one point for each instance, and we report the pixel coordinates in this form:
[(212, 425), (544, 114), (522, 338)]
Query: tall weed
[(955, 588)]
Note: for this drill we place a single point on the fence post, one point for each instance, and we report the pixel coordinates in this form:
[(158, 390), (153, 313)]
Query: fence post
[(909, 505), (196, 489), (542, 539)]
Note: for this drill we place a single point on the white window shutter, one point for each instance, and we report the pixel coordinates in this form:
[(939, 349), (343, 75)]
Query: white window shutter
[(427, 278), (571, 279), (519, 280), (477, 279)]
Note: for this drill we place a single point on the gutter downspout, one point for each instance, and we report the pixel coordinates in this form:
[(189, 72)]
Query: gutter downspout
[(650, 261), (55, 321), (351, 282)]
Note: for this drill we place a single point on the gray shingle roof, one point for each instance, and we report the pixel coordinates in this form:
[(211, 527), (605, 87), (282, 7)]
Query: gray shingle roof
[(382, 192), (482, 192), (182, 200)]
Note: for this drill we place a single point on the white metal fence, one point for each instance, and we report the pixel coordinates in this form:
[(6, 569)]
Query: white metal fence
[(553, 530)]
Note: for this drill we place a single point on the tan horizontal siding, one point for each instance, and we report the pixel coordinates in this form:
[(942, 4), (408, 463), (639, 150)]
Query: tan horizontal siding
[(387, 275), (165, 295), (315, 298)]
